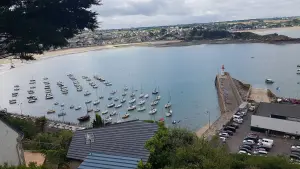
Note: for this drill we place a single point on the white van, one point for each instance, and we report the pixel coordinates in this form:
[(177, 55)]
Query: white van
[(265, 144), (265, 140)]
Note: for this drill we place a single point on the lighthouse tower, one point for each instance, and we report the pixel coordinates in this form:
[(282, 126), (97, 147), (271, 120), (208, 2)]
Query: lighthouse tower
[(223, 70)]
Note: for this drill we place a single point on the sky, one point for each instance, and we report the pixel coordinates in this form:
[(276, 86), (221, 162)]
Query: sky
[(140, 13)]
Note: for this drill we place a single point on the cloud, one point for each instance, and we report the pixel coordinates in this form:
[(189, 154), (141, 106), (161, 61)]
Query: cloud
[(134, 13)]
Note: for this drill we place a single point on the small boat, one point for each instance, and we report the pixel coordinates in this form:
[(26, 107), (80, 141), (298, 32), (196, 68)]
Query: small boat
[(131, 101), (89, 110), (124, 94), (30, 91), (157, 98), (87, 93), (72, 107), (152, 111), (125, 88), (108, 84), (123, 101), (113, 113), (168, 105), (154, 103), (31, 101), (141, 109), (130, 108), (12, 101), (126, 115), (175, 122), (62, 105), (32, 87), (146, 96), (78, 108), (101, 97), (97, 110), (96, 102), (298, 65), (269, 81), (111, 105), (108, 120), (141, 95), (51, 111), (132, 95), (56, 103), (33, 82), (118, 106), (116, 99), (88, 79), (16, 89), (65, 92), (169, 113), (89, 101), (16, 86), (113, 92), (79, 89), (84, 118), (45, 78), (141, 102), (61, 114), (95, 87), (14, 94), (49, 96), (155, 91), (84, 77), (109, 98), (105, 112)]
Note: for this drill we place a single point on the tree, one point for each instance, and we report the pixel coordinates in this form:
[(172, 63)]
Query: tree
[(41, 123), (97, 121), (33, 26)]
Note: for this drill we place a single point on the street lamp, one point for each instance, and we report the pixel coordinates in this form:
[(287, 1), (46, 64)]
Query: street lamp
[(21, 108), (208, 112)]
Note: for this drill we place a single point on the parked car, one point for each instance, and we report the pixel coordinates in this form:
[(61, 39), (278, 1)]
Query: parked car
[(224, 134), (246, 146), (236, 116), (223, 139), (245, 149), (234, 125), (243, 152), (265, 140), (295, 157), (262, 152), (296, 153), (228, 131), (230, 128), (295, 147), (239, 121), (239, 114), (262, 147), (249, 141), (265, 145)]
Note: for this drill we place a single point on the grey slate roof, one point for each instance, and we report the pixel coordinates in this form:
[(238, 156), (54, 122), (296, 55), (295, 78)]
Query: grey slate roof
[(126, 139), (103, 161), (286, 110)]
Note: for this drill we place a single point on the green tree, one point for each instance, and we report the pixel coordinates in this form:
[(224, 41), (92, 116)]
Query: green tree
[(97, 121), (41, 123), (33, 26)]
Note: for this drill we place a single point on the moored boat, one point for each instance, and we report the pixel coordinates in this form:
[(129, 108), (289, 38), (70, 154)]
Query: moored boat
[(105, 112), (126, 115), (51, 111), (168, 105), (96, 102), (152, 111), (88, 101), (118, 106), (141, 109), (141, 102), (84, 118), (61, 114), (130, 108), (78, 108), (146, 96), (110, 105), (269, 81), (72, 107), (123, 101), (154, 103), (131, 101)]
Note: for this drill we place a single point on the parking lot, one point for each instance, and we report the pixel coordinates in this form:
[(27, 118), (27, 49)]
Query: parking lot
[(281, 146)]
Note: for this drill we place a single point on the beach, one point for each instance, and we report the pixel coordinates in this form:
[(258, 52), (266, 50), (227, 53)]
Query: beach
[(5, 63)]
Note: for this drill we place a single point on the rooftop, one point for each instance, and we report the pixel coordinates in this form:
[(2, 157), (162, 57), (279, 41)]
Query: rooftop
[(127, 139), (287, 110)]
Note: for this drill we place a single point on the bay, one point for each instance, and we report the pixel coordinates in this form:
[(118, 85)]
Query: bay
[(187, 73)]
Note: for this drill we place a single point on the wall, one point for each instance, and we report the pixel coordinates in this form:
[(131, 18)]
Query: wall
[(290, 127)]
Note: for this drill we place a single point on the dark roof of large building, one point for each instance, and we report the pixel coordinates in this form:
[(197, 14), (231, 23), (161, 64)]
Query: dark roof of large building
[(104, 161), (287, 110), (127, 139)]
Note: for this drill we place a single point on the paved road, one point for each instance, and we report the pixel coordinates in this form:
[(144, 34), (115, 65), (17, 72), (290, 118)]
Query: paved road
[(259, 95), (8, 142)]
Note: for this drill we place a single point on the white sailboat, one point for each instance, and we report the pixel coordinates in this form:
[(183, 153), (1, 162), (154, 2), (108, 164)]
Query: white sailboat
[(168, 105)]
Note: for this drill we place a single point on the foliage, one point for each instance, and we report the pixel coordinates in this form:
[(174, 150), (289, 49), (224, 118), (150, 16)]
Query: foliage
[(97, 121), (33, 26), (31, 166), (40, 123), (181, 149)]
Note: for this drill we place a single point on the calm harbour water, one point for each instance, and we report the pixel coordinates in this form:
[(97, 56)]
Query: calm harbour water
[(187, 73)]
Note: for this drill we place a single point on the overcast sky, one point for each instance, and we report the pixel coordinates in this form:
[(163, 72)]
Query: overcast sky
[(137, 13)]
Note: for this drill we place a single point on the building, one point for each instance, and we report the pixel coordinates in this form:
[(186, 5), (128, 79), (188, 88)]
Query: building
[(11, 151), (277, 118), (122, 140)]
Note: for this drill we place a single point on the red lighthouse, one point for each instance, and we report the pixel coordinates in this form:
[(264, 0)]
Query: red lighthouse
[(222, 70)]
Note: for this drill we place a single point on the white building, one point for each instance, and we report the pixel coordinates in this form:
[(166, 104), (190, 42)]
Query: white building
[(276, 118)]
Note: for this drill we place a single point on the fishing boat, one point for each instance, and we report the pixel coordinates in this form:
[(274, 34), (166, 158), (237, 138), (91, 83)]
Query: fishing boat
[(141, 102), (154, 103), (32, 82), (13, 101), (16, 86), (155, 91), (56, 103), (30, 92), (125, 88), (168, 105), (110, 105), (118, 106), (109, 98), (14, 94), (88, 101), (32, 87), (131, 101), (78, 108), (157, 98), (113, 92), (62, 105), (65, 92), (152, 111), (116, 99), (169, 113), (146, 96), (61, 114), (105, 112), (95, 87), (113, 113), (126, 115), (87, 93), (84, 118), (72, 107), (97, 110), (132, 95), (16, 89), (31, 101), (96, 102), (143, 108), (123, 101), (130, 108), (269, 81), (124, 94), (79, 89), (49, 96), (101, 97), (51, 111)]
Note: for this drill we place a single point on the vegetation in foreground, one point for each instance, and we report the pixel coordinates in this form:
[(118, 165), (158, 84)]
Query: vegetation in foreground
[(181, 149), (54, 145)]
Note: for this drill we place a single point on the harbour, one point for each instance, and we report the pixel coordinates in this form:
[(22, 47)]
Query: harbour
[(189, 80)]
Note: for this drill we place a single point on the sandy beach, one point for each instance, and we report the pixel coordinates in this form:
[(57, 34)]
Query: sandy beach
[(5, 63)]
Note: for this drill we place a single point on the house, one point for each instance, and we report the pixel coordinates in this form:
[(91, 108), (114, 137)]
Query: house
[(122, 140), (277, 118), (11, 151)]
